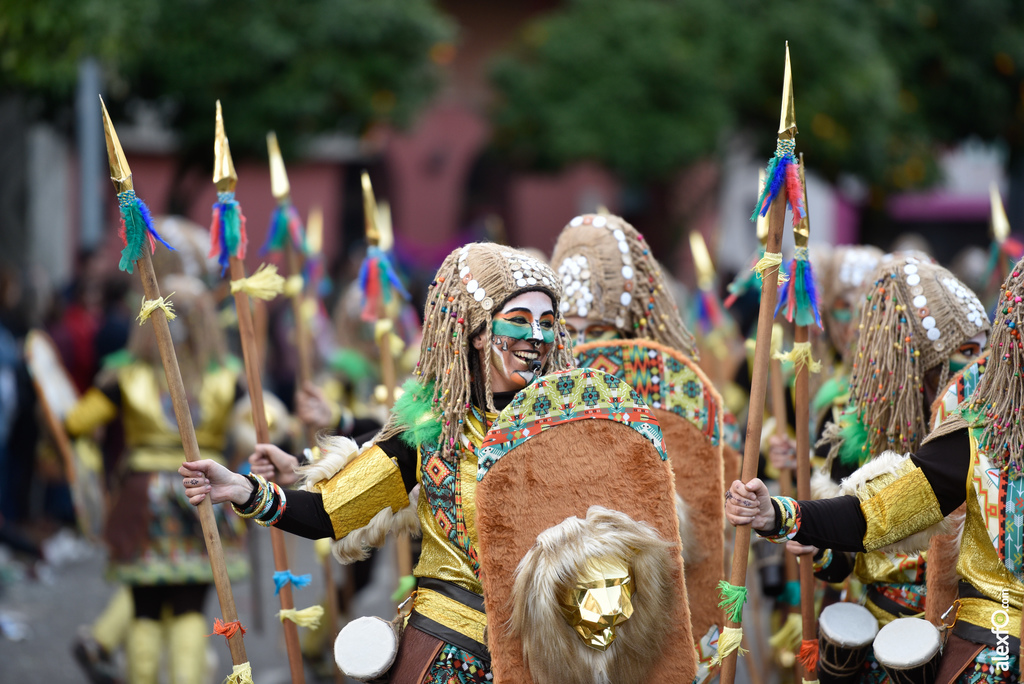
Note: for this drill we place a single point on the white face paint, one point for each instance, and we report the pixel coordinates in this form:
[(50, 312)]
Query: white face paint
[(522, 337)]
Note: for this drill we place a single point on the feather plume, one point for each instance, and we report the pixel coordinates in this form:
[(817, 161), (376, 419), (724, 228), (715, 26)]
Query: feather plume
[(136, 229)]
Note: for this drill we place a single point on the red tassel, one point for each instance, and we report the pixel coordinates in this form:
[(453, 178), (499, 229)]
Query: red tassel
[(795, 191), (227, 630), (791, 294), (808, 655), (122, 232), (373, 293), (243, 238), (215, 245)]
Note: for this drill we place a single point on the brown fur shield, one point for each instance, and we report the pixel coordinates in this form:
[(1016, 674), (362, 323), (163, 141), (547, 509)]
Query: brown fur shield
[(560, 472), (695, 453)]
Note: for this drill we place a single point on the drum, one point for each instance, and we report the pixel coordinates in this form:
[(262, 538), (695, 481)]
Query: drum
[(366, 648), (908, 651), (846, 632)]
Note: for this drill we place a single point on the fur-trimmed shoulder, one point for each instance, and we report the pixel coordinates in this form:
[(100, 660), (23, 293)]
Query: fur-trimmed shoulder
[(823, 486), (338, 452), (867, 480)]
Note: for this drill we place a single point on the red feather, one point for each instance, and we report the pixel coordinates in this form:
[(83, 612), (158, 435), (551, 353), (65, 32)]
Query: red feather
[(215, 245), (795, 191)]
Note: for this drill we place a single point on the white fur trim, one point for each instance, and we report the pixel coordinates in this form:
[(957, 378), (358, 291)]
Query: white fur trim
[(823, 486)]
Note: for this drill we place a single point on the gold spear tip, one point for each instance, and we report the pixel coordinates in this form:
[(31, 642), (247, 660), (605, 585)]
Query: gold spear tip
[(120, 174), (387, 233), (1000, 223), (224, 175), (762, 221), (279, 186), (802, 232), (787, 121), (702, 261), (315, 230), (370, 211)]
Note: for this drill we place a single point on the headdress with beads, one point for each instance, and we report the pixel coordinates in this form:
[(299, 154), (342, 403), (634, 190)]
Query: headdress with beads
[(995, 405), (472, 285), (607, 271), (915, 316)]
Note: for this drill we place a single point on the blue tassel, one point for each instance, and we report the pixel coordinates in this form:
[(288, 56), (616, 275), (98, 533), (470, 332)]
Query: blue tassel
[(136, 229), (284, 577)]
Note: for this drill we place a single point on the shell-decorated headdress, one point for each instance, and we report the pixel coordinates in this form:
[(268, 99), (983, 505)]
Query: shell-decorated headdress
[(472, 285), (607, 271), (995, 405), (844, 271), (916, 315)]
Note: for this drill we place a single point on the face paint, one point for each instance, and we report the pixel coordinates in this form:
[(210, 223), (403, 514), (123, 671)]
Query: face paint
[(522, 335), (587, 330), (968, 353)]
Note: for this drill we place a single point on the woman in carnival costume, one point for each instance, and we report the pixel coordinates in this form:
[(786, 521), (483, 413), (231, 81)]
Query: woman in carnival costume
[(973, 456), (156, 544), (492, 327)]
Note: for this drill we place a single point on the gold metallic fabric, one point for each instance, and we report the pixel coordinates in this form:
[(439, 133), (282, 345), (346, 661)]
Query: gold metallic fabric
[(92, 410), (146, 424), (887, 568), (983, 613), (979, 562), (361, 490), (466, 621), (905, 507)]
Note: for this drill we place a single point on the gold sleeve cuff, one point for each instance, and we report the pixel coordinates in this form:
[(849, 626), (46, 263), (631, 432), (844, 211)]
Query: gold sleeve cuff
[(905, 507), (91, 411), (361, 490)]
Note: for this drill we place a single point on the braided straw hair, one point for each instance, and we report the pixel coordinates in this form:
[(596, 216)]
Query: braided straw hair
[(995, 405), (844, 272), (916, 315), (473, 284), (608, 274)]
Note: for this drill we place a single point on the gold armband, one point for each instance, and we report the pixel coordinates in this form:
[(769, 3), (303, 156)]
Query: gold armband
[(91, 411), (361, 490), (901, 509)]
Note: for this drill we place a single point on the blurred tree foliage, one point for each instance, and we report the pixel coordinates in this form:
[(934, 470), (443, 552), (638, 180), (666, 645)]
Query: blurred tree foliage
[(298, 67), (647, 87)]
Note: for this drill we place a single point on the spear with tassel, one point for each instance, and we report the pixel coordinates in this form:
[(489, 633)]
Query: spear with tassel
[(139, 238), (798, 301), (782, 184), (228, 245), (379, 284), (1005, 250)]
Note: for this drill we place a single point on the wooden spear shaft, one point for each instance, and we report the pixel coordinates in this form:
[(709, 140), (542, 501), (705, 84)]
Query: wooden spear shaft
[(803, 487), (183, 415), (758, 389), (778, 388), (250, 355)]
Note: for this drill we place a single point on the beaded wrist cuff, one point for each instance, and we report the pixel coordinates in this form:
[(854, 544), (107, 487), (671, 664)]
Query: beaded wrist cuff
[(789, 511)]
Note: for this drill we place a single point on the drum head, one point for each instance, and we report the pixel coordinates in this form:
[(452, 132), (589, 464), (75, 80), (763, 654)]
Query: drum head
[(366, 648), (848, 625), (906, 642)]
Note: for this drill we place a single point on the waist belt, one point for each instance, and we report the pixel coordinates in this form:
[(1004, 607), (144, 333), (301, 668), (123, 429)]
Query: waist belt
[(980, 617), (452, 614), (881, 596)]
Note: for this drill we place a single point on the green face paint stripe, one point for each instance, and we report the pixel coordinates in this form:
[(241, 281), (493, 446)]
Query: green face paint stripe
[(518, 331)]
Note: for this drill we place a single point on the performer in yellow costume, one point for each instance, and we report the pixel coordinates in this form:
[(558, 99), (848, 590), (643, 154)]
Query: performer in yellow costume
[(156, 544), (491, 327), (975, 455)]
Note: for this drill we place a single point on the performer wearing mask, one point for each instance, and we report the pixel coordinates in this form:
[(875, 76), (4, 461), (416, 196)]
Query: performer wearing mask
[(491, 328), (974, 456)]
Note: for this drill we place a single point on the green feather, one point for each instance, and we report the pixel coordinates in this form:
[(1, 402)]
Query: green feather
[(352, 364), (415, 411), (854, 449), (833, 388)]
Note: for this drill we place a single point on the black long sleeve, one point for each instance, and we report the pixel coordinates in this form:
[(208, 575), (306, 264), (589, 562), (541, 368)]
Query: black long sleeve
[(305, 516), (839, 524)]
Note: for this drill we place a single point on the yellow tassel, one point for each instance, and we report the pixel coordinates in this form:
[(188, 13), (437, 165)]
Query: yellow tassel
[(308, 310), (789, 636), (294, 285), (307, 617), (811, 681), (769, 262), (800, 355), (264, 284), (240, 674), (151, 305), (728, 641), (322, 548)]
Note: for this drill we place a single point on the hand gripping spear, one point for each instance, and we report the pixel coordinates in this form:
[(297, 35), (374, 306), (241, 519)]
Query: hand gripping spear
[(138, 234), (225, 235), (782, 183)]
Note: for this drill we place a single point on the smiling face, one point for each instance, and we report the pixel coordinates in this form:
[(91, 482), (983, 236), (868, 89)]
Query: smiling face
[(522, 335)]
